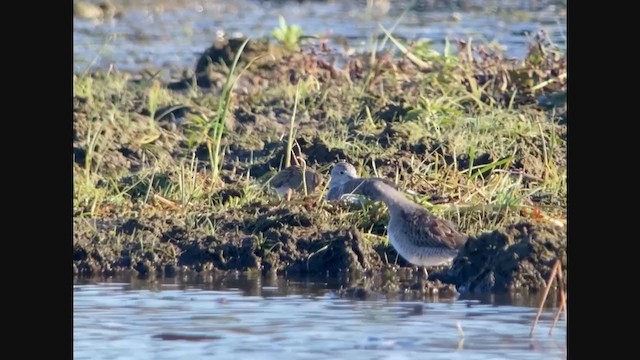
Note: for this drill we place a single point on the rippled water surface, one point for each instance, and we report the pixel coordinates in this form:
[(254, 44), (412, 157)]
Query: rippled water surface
[(153, 34), (234, 317)]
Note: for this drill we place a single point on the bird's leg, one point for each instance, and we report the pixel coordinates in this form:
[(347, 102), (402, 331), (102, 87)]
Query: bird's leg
[(289, 195), (304, 175), (426, 274)]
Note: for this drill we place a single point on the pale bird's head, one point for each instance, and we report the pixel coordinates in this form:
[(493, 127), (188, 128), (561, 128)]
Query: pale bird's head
[(341, 173)]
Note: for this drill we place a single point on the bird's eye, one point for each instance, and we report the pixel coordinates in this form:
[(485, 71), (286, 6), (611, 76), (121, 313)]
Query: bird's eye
[(341, 172)]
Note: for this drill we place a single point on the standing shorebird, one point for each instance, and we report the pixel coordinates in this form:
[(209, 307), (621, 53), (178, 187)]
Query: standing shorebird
[(417, 235), (290, 179)]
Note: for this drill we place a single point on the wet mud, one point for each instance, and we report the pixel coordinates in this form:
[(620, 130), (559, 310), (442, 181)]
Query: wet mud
[(227, 232)]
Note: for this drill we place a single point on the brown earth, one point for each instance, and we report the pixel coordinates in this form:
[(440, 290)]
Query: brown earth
[(298, 238)]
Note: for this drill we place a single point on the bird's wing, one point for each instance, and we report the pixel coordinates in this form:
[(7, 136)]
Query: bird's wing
[(287, 177), (434, 232)]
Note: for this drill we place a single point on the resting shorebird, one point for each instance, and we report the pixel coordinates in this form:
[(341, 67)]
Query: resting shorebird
[(417, 235), (341, 173), (290, 179)]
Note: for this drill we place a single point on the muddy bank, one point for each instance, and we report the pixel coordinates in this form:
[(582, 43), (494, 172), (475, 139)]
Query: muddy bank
[(519, 257), (282, 241), (278, 239), (464, 132)]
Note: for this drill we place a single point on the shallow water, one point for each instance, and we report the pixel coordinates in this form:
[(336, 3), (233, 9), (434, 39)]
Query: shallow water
[(171, 34), (235, 317)]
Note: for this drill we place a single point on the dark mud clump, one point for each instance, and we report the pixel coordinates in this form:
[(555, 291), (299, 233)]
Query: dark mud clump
[(224, 50), (520, 257), (346, 250), (399, 283)]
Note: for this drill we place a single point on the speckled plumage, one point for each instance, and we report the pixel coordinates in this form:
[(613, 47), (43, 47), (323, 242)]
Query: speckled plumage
[(290, 179), (417, 235)]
